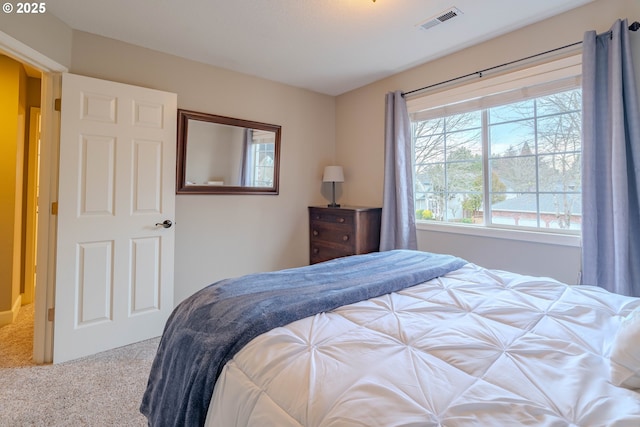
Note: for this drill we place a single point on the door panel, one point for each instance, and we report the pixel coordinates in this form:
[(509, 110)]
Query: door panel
[(97, 169), (114, 279), (146, 286), (95, 283)]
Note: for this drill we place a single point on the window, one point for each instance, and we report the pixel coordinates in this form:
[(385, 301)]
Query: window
[(513, 164), (261, 159), (262, 155)]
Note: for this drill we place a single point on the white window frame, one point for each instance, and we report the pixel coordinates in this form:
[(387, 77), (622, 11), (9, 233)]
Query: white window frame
[(532, 82)]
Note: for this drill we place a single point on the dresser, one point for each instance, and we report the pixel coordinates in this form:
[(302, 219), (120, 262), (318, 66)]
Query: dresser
[(338, 232)]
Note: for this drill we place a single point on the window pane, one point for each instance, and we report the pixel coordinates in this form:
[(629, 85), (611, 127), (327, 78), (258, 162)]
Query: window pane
[(560, 133), (429, 149), (511, 112), (464, 121), (262, 169), (560, 172), (429, 127), (464, 175), (561, 211), (430, 206), (472, 207), (456, 204), (516, 174), (512, 139), (464, 145), (519, 209), (559, 103), (430, 178)]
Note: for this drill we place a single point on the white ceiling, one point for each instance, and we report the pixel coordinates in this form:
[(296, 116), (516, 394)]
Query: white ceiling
[(328, 46)]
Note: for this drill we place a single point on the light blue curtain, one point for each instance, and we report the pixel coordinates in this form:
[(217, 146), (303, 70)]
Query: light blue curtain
[(398, 229), (611, 163)]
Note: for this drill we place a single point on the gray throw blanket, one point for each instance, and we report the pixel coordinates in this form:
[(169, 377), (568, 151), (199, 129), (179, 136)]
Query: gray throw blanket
[(210, 327)]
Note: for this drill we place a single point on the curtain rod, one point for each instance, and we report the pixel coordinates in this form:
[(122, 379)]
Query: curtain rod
[(633, 27)]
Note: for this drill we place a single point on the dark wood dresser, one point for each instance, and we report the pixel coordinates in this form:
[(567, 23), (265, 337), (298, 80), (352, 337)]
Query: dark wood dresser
[(338, 232)]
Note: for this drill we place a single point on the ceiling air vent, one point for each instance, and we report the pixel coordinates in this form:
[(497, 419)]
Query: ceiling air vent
[(440, 18)]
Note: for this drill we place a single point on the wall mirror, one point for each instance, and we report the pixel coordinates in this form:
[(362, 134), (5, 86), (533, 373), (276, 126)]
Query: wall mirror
[(223, 155)]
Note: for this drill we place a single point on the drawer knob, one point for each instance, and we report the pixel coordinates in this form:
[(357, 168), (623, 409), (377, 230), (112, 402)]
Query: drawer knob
[(345, 238), (315, 251), (315, 232), (340, 220)]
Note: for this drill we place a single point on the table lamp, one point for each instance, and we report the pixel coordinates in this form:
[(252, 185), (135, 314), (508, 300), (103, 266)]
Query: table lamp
[(333, 174)]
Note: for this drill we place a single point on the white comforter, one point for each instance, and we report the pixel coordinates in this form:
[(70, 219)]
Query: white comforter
[(473, 348)]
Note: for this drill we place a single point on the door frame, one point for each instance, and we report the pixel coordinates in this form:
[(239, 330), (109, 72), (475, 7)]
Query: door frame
[(51, 88), (30, 215)]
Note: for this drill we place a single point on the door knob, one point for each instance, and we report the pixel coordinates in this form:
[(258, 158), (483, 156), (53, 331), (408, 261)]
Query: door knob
[(166, 223)]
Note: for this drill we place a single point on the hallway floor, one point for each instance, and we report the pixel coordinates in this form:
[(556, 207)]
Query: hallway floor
[(16, 340)]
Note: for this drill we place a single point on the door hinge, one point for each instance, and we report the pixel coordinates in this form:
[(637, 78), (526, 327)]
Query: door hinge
[(51, 314), (54, 208), (57, 104)]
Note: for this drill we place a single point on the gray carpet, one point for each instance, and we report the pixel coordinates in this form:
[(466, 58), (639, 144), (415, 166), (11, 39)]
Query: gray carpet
[(16, 340), (100, 390)]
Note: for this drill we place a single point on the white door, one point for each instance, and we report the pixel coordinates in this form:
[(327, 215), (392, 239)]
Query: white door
[(114, 277)]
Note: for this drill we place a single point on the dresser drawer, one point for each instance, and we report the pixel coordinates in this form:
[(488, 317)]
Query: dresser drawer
[(332, 234), (331, 217), (320, 251)]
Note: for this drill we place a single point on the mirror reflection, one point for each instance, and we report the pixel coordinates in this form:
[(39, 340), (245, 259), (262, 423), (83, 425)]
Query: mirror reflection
[(221, 155)]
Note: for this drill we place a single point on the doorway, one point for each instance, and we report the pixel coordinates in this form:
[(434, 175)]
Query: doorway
[(45, 229), (20, 100)]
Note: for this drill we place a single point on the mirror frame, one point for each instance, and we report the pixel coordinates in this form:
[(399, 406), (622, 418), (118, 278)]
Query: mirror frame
[(183, 136)]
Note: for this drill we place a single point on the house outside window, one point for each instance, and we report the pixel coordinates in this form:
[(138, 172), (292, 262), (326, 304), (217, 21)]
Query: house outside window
[(509, 159)]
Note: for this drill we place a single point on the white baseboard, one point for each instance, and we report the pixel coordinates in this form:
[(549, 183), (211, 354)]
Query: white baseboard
[(8, 317)]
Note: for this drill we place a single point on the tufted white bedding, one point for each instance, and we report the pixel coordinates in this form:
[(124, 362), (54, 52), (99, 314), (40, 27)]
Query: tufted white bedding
[(476, 347)]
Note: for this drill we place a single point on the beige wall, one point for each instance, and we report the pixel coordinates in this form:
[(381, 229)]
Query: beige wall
[(360, 130), (13, 101), (43, 33), (220, 236)]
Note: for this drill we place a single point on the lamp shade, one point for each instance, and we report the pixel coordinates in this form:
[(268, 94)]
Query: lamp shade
[(333, 174)]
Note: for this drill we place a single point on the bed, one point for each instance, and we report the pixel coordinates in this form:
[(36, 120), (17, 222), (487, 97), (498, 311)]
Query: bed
[(399, 338)]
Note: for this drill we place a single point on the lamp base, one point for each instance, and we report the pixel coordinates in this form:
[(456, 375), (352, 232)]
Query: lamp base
[(333, 203)]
